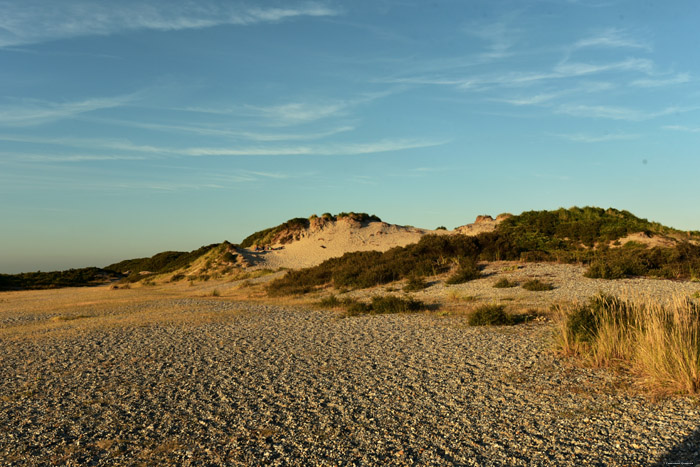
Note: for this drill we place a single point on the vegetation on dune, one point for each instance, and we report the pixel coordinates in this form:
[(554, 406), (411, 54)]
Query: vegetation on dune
[(265, 237), (285, 232), (563, 229), (680, 261), (167, 261), (432, 255), (50, 280), (565, 235), (661, 344)]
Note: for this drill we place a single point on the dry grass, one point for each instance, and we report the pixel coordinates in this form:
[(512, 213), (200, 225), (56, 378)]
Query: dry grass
[(661, 345)]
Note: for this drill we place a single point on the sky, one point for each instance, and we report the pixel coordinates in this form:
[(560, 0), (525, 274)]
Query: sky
[(133, 127)]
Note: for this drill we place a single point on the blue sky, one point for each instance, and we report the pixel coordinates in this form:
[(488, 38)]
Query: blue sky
[(133, 127)]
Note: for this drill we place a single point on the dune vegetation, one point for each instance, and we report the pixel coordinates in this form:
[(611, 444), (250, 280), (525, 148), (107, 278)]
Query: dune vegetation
[(661, 344), (576, 235)]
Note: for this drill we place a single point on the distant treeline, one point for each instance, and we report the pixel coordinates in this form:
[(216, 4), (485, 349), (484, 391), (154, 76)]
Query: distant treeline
[(55, 279)]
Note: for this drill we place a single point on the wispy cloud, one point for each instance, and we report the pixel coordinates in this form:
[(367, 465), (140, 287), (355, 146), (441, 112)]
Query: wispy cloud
[(572, 69), (500, 36), (682, 128), (297, 113), (33, 21), (340, 149), (532, 100), (611, 38), (679, 78), (618, 113), (564, 70), (27, 112), (54, 157), (584, 138)]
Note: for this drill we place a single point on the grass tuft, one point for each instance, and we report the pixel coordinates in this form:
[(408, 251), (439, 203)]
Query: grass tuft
[(537, 285), (660, 344), (504, 284)]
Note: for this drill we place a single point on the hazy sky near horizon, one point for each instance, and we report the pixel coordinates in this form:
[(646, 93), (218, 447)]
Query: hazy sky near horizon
[(133, 127)]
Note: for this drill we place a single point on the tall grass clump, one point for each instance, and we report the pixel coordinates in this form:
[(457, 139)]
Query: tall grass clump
[(660, 344)]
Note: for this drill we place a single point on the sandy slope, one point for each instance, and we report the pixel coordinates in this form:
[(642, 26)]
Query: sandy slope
[(333, 239)]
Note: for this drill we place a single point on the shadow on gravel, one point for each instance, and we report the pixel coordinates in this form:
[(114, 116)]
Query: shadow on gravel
[(686, 452)]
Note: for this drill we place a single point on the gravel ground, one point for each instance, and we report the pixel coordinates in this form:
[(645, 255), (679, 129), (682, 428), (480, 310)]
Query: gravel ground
[(280, 386), (568, 280)]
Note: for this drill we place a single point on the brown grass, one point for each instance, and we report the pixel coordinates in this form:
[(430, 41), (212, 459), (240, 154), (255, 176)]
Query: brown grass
[(660, 345)]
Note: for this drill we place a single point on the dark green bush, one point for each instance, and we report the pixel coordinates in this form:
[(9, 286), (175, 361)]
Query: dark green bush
[(489, 315), (378, 305), (504, 283), (229, 257), (415, 283), (537, 285), (167, 261), (466, 272), (394, 304), (49, 280)]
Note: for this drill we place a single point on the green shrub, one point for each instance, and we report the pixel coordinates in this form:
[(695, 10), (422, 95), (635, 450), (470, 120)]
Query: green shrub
[(536, 285), (230, 257), (504, 283), (467, 272), (164, 262), (49, 280), (334, 302), (489, 315), (415, 283), (394, 304), (442, 227), (215, 293), (177, 277), (378, 305)]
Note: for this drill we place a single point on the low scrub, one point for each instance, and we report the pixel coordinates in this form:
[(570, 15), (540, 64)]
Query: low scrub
[(415, 284), (51, 280), (660, 344), (537, 285), (466, 272), (378, 305), (504, 284), (495, 315), (576, 235)]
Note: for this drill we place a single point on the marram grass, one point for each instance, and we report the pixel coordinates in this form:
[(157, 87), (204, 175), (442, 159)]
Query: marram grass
[(660, 344)]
